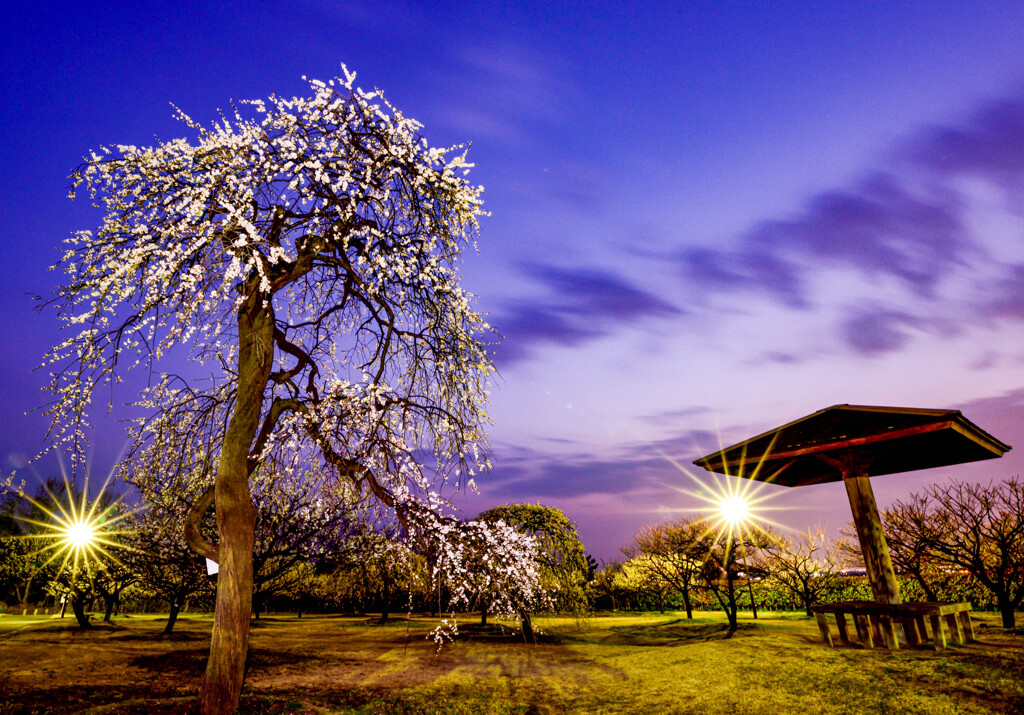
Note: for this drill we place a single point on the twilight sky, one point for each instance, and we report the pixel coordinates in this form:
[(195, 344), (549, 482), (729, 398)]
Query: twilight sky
[(708, 219)]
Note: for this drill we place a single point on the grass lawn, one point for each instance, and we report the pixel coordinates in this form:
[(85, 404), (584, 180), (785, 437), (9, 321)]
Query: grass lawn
[(622, 663)]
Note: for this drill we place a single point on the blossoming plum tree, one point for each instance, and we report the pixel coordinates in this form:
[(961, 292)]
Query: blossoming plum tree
[(305, 255)]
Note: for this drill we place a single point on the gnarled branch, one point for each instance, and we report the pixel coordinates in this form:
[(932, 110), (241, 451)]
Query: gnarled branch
[(193, 537)]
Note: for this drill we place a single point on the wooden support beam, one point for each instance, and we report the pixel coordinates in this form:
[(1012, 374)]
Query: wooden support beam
[(872, 539), (857, 625), (921, 628), (910, 629), (888, 627)]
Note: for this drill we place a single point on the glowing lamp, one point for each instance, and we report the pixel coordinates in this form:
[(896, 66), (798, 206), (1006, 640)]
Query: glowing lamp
[(80, 534), (734, 510)]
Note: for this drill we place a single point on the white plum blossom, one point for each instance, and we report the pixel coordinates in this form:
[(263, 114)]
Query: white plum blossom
[(302, 254)]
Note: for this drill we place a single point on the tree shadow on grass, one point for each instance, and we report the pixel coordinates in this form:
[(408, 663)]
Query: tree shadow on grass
[(192, 662), (675, 633)]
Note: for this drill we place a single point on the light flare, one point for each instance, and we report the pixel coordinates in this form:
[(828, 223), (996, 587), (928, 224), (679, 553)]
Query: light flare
[(734, 510), (76, 531), (733, 507)]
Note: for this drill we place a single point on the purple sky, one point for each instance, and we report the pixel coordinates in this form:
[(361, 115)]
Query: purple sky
[(707, 220)]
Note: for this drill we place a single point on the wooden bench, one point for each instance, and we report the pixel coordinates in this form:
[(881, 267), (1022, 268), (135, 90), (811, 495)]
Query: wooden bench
[(879, 621)]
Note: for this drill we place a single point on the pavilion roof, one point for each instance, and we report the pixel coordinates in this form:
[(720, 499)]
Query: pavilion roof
[(871, 440)]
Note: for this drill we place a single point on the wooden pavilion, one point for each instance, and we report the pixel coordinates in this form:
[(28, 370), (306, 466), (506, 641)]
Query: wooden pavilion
[(853, 443)]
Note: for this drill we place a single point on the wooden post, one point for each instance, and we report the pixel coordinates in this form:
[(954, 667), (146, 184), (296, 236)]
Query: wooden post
[(889, 632), (844, 636), (872, 539), (965, 622), (956, 628), (938, 637), (910, 629), (920, 627), (864, 630)]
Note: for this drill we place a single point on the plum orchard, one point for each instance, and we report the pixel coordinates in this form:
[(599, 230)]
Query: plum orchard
[(306, 256)]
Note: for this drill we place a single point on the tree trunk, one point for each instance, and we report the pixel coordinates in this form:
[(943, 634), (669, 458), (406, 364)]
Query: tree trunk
[(385, 597), (1006, 611), (686, 602), (171, 618), (929, 592), (229, 642), (78, 607), (732, 608), (527, 626), (483, 613), (110, 609), (236, 517), (750, 589), (661, 601)]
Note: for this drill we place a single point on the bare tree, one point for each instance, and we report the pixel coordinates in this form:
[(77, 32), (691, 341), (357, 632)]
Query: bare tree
[(977, 528), (110, 581), (805, 565), (725, 556), (911, 549), (305, 256), (675, 552)]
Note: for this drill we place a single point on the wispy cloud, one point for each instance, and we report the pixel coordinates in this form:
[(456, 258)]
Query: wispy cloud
[(580, 305), (874, 331), (882, 226), (990, 143), (906, 224), (633, 467)]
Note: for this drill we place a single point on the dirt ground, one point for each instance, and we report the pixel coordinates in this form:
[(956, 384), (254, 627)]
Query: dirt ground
[(128, 666), (638, 663)]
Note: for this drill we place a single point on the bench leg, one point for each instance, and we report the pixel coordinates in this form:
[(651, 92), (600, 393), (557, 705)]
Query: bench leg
[(938, 637), (956, 630), (921, 628), (910, 629), (844, 635), (864, 630), (889, 632), (826, 635), (965, 621), (876, 629)]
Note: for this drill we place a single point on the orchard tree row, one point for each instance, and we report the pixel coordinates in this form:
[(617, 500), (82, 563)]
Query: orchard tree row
[(952, 542), (317, 547)]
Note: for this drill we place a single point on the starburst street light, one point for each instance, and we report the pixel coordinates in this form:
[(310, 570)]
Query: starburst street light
[(737, 506), (78, 534), (734, 510)]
